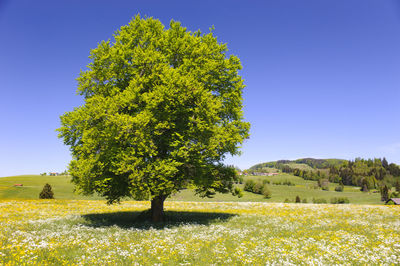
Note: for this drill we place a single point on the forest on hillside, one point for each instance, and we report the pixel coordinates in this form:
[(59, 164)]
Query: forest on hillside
[(366, 173)]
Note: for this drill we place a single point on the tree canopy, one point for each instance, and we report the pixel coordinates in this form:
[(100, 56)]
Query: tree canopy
[(162, 108)]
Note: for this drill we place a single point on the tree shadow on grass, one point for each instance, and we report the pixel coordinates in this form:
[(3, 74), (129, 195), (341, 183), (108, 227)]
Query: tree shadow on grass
[(139, 219)]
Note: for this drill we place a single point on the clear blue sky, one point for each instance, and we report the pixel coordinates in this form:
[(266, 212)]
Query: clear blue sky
[(323, 77)]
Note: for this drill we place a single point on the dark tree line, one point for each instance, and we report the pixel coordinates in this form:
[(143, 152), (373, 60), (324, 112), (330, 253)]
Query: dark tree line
[(366, 173), (313, 163)]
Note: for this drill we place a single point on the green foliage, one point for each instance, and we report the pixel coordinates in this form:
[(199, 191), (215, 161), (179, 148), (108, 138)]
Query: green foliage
[(266, 181), (288, 183), (394, 169), (63, 189), (365, 173), (395, 194), (340, 200), (384, 193), (397, 186), (390, 202), (237, 192), (249, 185), (298, 200), (323, 182), (385, 163), (46, 193), (339, 188), (162, 108), (266, 192), (304, 200), (364, 185), (258, 187), (319, 201), (284, 183), (306, 164)]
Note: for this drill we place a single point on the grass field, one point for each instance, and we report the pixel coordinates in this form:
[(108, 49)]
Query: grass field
[(82, 232), (63, 189), (301, 166), (305, 189), (33, 185)]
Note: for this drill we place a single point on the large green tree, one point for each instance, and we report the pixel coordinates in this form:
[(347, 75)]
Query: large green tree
[(162, 108)]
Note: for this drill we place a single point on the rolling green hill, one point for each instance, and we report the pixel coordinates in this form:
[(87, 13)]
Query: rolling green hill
[(303, 164), (33, 185), (305, 189)]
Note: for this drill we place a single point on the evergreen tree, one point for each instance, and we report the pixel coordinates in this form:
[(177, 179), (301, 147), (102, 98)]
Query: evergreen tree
[(397, 186), (364, 185), (385, 163), (46, 193), (298, 200), (384, 193)]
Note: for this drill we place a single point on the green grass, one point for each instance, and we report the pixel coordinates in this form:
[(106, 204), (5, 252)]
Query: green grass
[(301, 166), (267, 170), (63, 189), (33, 185), (305, 189)]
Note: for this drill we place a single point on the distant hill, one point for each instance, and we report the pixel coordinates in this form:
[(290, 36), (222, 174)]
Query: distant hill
[(305, 189), (369, 174), (304, 164)]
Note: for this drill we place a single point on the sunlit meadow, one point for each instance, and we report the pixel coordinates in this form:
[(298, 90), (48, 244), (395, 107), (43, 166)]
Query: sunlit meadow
[(80, 232)]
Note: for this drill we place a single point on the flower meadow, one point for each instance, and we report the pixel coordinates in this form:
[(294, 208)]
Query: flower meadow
[(81, 232)]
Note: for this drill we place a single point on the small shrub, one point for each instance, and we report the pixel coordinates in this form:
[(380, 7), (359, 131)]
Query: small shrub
[(304, 201), (46, 193), (265, 181), (249, 185), (319, 201), (343, 200), (238, 192), (364, 185), (384, 193), (266, 192), (390, 202), (364, 188), (298, 200), (258, 187), (326, 188), (339, 189), (284, 183), (323, 182), (286, 201), (340, 200), (288, 183)]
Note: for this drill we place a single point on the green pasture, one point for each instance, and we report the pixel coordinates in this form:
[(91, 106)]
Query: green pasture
[(305, 189), (301, 166), (33, 185)]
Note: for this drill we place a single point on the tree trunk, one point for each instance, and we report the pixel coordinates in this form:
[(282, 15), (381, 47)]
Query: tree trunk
[(157, 209)]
